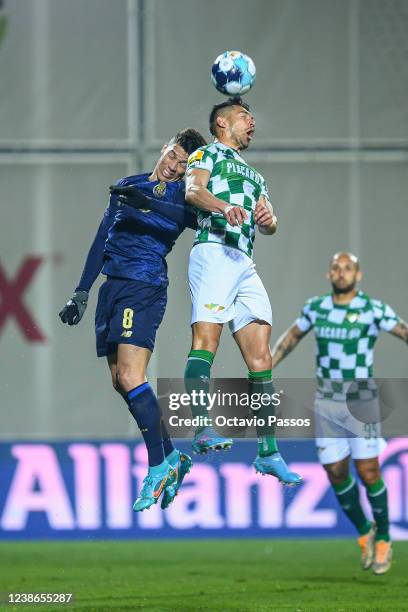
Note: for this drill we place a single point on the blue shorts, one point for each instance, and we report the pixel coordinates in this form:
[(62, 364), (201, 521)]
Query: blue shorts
[(128, 312)]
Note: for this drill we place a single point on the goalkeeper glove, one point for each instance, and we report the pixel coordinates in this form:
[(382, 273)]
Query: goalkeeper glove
[(130, 196), (74, 309)]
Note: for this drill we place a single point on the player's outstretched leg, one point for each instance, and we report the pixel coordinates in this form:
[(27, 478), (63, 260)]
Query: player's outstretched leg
[(269, 460), (145, 409), (349, 499), (181, 464), (197, 378), (378, 498)]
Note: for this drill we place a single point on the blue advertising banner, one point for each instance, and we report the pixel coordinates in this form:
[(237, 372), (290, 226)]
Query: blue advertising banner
[(72, 489)]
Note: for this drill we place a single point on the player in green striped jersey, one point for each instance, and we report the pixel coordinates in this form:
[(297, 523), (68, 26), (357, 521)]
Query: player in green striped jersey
[(232, 200), (346, 323)]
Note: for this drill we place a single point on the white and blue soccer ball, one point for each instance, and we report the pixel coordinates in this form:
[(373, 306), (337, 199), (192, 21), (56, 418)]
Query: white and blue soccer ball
[(233, 73)]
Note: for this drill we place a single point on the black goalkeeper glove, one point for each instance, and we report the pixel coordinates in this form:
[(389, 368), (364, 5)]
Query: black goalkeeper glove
[(130, 196), (74, 309)]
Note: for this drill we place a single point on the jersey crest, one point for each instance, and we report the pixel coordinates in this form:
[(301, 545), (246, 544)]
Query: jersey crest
[(159, 190)]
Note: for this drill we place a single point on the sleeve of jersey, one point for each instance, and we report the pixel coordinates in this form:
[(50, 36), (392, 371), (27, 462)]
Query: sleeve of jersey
[(304, 322), (94, 261), (180, 213), (385, 316), (201, 159)]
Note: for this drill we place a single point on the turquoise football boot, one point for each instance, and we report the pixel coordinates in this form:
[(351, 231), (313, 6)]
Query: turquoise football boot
[(157, 480), (181, 464), (275, 466), (207, 440)]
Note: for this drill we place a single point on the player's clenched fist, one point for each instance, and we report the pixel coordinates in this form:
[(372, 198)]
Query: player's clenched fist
[(235, 215), (264, 216)]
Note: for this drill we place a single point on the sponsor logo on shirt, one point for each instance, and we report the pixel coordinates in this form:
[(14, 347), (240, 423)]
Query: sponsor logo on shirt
[(337, 333), (234, 168), (197, 156)]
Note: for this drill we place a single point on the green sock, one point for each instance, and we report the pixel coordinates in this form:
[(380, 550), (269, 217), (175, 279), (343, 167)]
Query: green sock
[(378, 498), (260, 383), (349, 499), (197, 378)]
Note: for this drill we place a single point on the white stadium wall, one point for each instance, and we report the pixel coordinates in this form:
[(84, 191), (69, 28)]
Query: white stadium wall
[(89, 91)]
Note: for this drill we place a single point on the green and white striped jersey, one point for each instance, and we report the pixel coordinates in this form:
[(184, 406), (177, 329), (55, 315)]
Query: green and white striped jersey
[(345, 338), (235, 182)]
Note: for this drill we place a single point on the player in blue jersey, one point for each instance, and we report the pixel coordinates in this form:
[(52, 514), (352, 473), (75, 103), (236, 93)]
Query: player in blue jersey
[(130, 248)]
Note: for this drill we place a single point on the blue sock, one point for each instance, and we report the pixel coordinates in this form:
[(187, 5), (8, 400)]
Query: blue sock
[(145, 409), (168, 445)]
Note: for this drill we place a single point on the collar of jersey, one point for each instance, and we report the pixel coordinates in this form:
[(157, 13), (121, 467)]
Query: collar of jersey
[(224, 147), (144, 178), (221, 145), (346, 306)]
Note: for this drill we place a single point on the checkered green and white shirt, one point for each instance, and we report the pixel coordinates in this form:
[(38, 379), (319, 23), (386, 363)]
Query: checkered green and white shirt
[(345, 338), (235, 182)]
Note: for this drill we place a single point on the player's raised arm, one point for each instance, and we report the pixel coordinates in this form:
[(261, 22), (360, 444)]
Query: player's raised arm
[(133, 197), (199, 196), (286, 343), (264, 216), (74, 309)]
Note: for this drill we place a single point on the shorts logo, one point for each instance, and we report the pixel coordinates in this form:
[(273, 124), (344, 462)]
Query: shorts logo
[(126, 334), (160, 189), (214, 307), (197, 156)]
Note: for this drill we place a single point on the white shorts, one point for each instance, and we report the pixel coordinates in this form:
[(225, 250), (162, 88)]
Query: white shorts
[(347, 429), (225, 287)]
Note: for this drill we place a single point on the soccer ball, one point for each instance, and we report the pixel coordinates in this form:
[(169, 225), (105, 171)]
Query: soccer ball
[(233, 73)]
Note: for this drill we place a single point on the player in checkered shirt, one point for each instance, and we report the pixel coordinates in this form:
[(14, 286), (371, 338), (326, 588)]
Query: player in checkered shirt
[(346, 323), (232, 200)]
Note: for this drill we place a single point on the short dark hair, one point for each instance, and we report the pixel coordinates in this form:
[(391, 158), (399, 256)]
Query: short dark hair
[(217, 110), (189, 139)]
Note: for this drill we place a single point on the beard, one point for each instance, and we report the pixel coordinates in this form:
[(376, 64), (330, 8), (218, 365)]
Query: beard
[(339, 290), (243, 145)]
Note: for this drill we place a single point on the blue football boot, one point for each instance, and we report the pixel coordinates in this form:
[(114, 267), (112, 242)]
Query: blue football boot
[(181, 464), (157, 480), (275, 466), (207, 439)]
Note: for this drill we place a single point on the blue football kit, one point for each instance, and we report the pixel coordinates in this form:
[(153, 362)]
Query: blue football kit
[(130, 248)]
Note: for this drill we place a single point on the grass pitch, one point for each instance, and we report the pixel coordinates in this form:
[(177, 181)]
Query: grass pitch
[(189, 575)]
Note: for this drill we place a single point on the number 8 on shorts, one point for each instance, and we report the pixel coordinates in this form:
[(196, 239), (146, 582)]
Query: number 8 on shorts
[(127, 321)]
